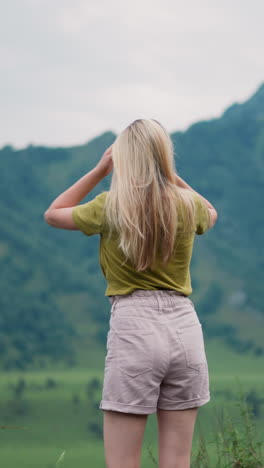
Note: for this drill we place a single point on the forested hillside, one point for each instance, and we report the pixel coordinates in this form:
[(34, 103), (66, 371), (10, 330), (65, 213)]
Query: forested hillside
[(52, 299)]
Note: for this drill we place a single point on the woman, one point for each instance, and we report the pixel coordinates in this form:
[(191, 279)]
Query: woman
[(155, 360)]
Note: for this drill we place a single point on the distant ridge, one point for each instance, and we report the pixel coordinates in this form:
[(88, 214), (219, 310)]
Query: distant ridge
[(253, 105), (52, 304)]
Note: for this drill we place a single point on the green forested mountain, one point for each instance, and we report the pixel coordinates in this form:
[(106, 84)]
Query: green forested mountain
[(52, 299)]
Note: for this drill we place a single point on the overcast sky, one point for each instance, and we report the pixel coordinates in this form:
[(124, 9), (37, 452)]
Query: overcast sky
[(72, 69)]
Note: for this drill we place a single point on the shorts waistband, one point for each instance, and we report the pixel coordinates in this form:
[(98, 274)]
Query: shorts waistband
[(157, 294)]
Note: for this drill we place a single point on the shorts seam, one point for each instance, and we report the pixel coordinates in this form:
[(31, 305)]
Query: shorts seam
[(126, 407), (126, 404), (186, 401), (204, 399)]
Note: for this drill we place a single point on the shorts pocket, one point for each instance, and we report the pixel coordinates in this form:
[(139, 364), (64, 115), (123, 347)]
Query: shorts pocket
[(130, 351), (191, 338)]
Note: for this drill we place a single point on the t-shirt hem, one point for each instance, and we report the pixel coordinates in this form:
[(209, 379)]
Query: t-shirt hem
[(76, 219), (111, 292)]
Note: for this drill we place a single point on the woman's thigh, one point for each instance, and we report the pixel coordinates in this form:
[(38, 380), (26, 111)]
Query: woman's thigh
[(123, 438), (176, 429)]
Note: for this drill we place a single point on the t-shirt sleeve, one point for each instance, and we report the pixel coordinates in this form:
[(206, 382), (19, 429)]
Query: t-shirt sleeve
[(202, 216), (88, 217)]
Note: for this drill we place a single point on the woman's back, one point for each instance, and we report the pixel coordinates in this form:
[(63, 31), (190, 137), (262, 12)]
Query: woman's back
[(121, 276)]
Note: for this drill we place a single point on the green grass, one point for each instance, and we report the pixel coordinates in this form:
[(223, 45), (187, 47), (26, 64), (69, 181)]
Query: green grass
[(65, 418)]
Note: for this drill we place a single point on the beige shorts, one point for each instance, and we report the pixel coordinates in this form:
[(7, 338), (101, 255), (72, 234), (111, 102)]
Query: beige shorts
[(155, 354)]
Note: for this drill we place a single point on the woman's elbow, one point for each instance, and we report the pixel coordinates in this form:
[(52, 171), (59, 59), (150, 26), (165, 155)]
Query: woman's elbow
[(47, 217), (213, 215)]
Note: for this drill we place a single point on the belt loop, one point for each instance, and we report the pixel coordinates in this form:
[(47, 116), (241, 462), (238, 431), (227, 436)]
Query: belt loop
[(114, 302), (111, 299), (159, 300)]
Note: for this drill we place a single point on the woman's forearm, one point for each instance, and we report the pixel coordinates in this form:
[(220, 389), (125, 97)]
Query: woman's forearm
[(73, 195), (181, 183)]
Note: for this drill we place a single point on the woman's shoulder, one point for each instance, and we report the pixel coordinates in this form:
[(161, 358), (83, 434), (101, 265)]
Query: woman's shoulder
[(101, 197)]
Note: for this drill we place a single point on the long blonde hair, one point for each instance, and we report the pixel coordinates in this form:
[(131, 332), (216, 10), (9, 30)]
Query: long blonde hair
[(144, 202)]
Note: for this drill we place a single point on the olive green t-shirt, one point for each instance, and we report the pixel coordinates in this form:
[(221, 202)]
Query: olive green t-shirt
[(123, 279)]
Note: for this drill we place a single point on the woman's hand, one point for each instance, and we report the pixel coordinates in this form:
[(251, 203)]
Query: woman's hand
[(105, 164)]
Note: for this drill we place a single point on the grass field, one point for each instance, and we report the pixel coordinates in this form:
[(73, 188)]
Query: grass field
[(57, 411)]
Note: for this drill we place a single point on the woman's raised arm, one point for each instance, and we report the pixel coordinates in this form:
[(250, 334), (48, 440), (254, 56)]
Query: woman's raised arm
[(212, 211)]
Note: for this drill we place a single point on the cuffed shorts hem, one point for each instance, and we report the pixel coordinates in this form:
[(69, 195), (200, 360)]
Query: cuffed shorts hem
[(166, 405), (173, 405), (125, 408)]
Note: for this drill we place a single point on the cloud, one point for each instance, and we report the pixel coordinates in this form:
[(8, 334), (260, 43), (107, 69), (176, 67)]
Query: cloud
[(72, 69)]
